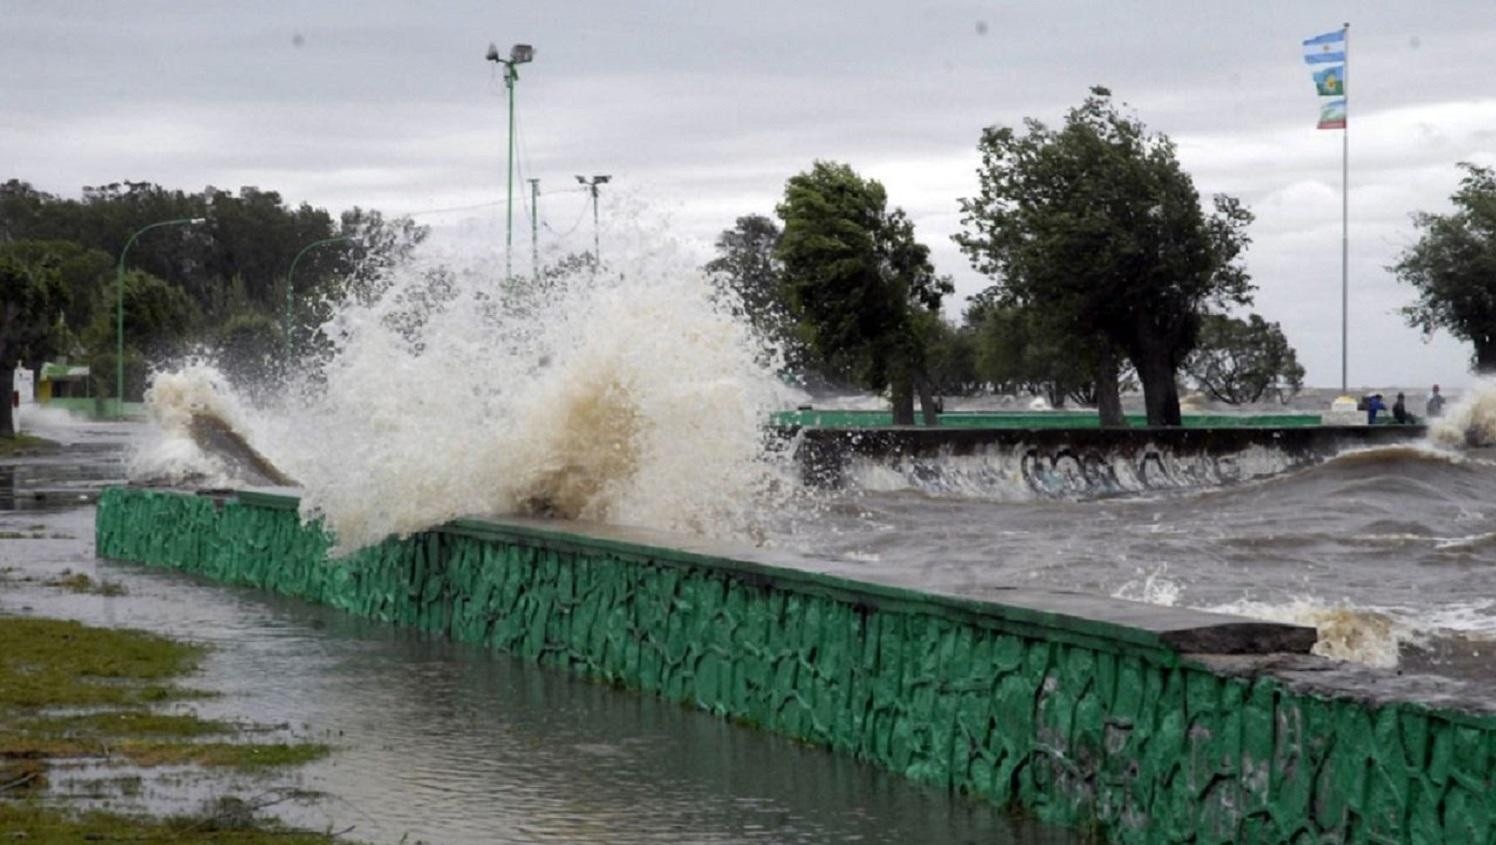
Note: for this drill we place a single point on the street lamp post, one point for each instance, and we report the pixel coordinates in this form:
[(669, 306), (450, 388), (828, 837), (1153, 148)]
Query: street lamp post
[(535, 229), (119, 312), (291, 284), (597, 258), (518, 54)]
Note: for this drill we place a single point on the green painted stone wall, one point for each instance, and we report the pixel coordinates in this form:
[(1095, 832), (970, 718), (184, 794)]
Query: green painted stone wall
[(1090, 728)]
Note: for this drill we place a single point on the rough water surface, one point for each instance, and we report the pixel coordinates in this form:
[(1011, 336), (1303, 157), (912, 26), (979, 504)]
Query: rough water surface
[(637, 397)]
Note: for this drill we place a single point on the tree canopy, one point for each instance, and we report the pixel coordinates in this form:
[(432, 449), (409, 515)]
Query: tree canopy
[(1098, 226), (222, 281), (1241, 361), (1453, 267), (1019, 351), (748, 268), (856, 277), (32, 300)]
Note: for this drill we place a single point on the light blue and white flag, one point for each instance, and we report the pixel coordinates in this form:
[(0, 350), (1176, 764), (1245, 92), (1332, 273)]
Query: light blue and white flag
[(1325, 49), (1325, 55)]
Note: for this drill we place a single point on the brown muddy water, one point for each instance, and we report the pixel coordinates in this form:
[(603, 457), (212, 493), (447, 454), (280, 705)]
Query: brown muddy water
[(1390, 551), (441, 743)]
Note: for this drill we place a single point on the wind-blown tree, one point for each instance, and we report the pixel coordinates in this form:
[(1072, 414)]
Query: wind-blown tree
[(951, 357), (747, 267), (1240, 361), (247, 240), (160, 320), (1096, 225), (1453, 267), (856, 279), (81, 270), (32, 300), (1018, 351)]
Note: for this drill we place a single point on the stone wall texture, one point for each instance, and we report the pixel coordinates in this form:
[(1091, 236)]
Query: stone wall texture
[(1131, 742)]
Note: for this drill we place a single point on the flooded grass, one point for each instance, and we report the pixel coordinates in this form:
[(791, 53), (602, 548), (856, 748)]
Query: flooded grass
[(128, 723), (24, 444), (71, 692), (57, 663), (44, 825), (78, 582), (73, 582)]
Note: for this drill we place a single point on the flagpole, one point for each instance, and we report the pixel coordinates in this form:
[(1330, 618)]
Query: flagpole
[(1345, 215)]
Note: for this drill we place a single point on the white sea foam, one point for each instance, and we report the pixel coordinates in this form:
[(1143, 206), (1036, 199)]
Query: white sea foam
[(1151, 587), (169, 453), (1471, 421), (1018, 473), (1375, 636), (633, 396)]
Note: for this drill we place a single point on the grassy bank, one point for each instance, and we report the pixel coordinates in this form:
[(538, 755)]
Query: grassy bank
[(73, 695), (18, 445)]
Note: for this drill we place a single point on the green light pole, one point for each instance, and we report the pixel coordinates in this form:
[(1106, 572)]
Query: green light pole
[(597, 258), (119, 313), (518, 54), (291, 284)]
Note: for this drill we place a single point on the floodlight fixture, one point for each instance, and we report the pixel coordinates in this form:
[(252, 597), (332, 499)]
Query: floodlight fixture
[(518, 54), (591, 185)]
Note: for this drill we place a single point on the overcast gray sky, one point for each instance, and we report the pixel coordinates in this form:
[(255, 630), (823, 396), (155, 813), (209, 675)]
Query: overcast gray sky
[(701, 111)]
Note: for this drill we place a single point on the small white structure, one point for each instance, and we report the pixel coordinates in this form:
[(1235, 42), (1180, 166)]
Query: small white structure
[(23, 394), (1343, 412)]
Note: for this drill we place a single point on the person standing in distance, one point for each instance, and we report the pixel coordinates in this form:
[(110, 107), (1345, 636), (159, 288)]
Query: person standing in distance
[(1400, 410), (1435, 405)]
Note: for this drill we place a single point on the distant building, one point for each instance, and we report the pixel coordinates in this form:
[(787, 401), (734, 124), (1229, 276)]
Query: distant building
[(62, 381)]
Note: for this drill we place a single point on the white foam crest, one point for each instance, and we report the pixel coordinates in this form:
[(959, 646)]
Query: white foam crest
[(168, 452), (1471, 421), (32, 416), (1018, 473), (1373, 636), (995, 475), (1413, 450), (1151, 587), (630, 397)]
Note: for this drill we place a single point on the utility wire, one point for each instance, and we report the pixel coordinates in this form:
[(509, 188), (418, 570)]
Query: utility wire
[(567, 233), (453, 208)]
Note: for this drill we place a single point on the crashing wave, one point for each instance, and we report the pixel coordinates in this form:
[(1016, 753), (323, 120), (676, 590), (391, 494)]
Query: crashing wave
[(1470, 422), (635, 397)]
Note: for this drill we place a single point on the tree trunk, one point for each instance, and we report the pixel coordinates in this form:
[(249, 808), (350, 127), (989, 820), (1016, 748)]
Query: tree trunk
[(929, 408), (1108, 393), (8, 381), (901, 388), (1485, 357), (1054, 394), (1160, 391)]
